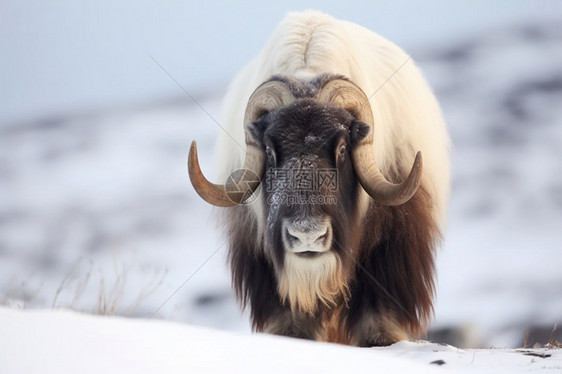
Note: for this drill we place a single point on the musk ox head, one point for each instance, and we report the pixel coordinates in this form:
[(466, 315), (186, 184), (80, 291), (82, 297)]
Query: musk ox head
[(310, 144)]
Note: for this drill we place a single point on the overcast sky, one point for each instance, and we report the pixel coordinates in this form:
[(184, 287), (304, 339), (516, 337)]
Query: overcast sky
[(65, 56)]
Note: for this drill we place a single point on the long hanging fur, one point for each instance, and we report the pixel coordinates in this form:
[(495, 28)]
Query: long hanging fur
[(395, 273), (383, 289), (393, 276)]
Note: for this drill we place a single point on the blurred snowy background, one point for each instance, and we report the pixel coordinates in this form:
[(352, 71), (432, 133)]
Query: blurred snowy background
[(96, 210)]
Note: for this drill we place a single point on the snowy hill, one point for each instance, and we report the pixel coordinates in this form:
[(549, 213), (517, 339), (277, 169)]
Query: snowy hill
[(66, 342), (97, 213)]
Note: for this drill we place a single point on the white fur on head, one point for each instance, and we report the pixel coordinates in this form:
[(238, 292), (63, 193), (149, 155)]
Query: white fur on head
[(306, 282), (406, 114)]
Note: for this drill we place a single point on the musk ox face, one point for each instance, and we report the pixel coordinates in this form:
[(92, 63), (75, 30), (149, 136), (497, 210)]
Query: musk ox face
[(310, 144), (309, 194)]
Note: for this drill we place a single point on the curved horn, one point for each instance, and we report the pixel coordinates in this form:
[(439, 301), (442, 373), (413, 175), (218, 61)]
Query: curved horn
[(214, 194), (345, 94), (268, 96)]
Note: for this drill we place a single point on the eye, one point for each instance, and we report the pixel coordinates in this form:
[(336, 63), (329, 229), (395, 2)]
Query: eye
[(341, 150), (271, 158)]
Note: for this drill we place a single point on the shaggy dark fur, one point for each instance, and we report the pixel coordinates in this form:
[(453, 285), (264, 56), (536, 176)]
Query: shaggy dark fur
[(395, 271), (387, 256)]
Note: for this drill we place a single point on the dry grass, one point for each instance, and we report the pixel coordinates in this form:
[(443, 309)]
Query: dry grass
[(66, 282), (109, 299), (20, 294), (75, 290), (553, 343)]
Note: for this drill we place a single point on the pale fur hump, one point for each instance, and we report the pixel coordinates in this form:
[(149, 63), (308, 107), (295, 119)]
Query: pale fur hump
[(406, 113), (306, 282)]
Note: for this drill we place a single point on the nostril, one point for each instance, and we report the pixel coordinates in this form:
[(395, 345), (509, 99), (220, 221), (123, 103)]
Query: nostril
[(312, 236), (292, 239), (321, 238), (324, 238)]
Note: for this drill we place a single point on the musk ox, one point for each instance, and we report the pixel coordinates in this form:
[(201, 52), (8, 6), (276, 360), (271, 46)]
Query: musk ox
[(335, 238)]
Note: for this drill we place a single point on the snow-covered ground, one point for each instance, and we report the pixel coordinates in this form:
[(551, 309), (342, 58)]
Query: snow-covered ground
[(97, 213), (66, 342), (500, 268)]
